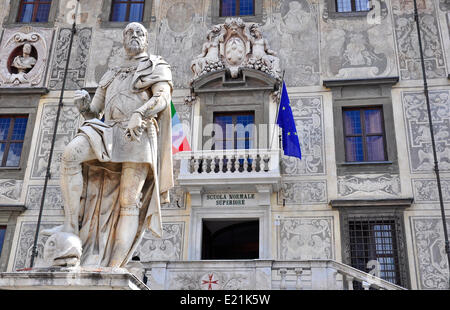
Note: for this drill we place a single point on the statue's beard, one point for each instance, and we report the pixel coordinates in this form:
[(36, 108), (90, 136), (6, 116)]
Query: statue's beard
[(134, 48)]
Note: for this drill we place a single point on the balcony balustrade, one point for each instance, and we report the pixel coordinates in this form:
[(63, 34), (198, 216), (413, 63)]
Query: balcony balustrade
[(229, 167)]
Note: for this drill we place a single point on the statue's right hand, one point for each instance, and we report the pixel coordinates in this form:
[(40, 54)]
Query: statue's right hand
[(82, 99), (81, 95)]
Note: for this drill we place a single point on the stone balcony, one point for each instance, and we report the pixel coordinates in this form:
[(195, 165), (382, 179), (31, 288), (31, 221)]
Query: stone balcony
[(230, 170), (259, 275), (230, 167)]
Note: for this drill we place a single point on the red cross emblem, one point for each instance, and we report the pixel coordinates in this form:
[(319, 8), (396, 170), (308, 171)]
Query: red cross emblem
[(210, 281)]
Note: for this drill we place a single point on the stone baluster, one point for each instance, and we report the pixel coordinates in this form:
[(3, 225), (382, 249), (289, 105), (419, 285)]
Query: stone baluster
[(196, 165), (298, 272), (228, 164), (246, 163), (349, 280), (191, 165), (221, 162), (266, 159), (283, 273)]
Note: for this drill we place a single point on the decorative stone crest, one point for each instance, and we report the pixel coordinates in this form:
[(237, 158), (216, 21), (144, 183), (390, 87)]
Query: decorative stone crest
[(23, 57), (234, 45)]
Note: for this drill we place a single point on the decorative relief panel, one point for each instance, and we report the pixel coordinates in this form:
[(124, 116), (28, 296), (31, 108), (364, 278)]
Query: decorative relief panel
[(425, 190), (431, 259), (68, 125), (373, 185), (213, 280), (109, 53), (362, 48), (444, 5), (25, 244), (358, 57), (418, 132), (305, 238), (308, 116), (78, 60), (10, 190), (23, 56), (407, 44), (292, 30), (303, 192), (181, 31), (169, 247), (53, 198)]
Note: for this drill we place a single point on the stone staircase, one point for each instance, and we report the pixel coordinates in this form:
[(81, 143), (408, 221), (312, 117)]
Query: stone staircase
[(256, 275)]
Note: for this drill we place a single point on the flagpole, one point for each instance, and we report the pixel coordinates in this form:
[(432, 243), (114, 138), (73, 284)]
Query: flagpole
[(276, 116), (50, 157), (433, 143)]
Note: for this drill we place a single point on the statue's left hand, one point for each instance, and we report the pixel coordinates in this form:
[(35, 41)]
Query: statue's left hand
[(135, 127)]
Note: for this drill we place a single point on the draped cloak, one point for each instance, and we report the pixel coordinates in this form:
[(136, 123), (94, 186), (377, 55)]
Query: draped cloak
[(121, 91)]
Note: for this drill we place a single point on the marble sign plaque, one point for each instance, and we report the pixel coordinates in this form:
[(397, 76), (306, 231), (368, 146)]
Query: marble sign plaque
[(230, 199)]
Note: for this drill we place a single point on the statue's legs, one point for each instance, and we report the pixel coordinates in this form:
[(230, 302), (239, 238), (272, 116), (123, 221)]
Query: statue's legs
[(76, 152), (131, 184)]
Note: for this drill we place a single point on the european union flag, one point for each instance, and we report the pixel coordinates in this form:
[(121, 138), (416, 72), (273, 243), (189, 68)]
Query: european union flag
[(285, 120)]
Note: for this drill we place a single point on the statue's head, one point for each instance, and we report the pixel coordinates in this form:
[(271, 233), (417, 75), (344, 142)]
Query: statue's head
[(214, 32), (135, 39), (295, 5), (27, 49), (255, 31)]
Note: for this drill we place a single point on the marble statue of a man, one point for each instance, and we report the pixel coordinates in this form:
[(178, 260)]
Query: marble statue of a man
[(116, 173)]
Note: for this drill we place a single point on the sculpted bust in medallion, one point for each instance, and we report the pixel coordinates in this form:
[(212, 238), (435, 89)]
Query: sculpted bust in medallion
[(116, 173), (25, 62)]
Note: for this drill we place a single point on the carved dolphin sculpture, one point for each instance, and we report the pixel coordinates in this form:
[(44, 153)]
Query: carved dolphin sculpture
[(63, 250)]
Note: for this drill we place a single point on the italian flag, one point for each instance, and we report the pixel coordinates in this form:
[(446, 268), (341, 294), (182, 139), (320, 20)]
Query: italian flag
[(179, 139)]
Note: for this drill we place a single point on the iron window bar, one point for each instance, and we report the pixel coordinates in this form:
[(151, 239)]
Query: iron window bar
[(375, 239)]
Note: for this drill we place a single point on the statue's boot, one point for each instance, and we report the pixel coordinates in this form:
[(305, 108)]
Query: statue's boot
[(76, 152), (131, 184), (125, 235)]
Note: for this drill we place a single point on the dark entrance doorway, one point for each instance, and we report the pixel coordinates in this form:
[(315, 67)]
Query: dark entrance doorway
[(230, 239)]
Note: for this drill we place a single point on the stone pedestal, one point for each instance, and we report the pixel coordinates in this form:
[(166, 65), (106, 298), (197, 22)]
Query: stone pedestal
[(78, 278)]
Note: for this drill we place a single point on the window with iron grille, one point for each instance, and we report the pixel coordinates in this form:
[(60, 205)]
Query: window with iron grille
[(237, 7), (373, 244), (127, 11), (364, 134), (34, 11), (12, 135), (343, 6)]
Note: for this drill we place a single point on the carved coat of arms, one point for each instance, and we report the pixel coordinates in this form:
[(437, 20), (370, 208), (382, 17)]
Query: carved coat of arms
[(234, 45)]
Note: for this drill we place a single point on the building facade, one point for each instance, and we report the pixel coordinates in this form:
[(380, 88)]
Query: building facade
[(364, 193)]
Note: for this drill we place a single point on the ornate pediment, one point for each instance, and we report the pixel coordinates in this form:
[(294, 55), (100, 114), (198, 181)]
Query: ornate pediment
[(235, 45)]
